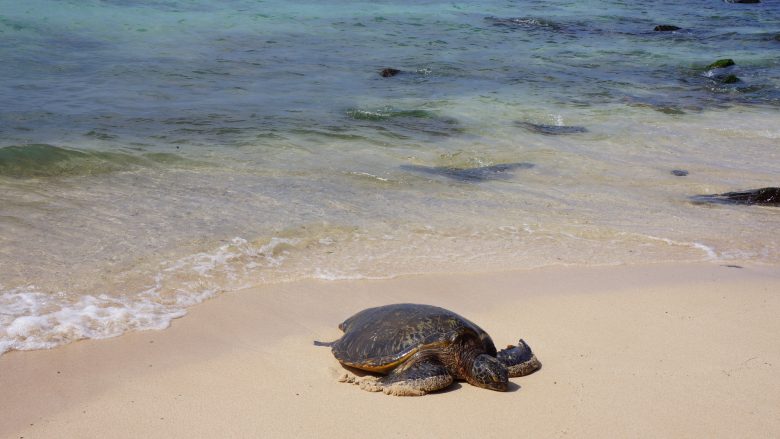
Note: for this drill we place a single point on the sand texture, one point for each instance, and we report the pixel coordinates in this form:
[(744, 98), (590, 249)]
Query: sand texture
[(683, 351)]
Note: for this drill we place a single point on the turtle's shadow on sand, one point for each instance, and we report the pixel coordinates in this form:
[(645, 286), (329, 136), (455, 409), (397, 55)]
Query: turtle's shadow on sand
[(451, 388), (512, 387)]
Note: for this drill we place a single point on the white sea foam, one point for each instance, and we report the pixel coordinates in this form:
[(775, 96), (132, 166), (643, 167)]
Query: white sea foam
[(323, 274), (33, 319), (366, 174), (708, 251)]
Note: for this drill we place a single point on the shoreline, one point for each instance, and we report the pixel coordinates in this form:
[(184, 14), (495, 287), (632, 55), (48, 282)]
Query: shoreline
[(683, 350)]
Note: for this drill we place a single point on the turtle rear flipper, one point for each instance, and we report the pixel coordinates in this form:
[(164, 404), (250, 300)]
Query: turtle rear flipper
[(519, 360), (422, 377)]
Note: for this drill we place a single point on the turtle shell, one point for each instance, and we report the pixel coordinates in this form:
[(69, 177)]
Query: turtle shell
[(379, 339)]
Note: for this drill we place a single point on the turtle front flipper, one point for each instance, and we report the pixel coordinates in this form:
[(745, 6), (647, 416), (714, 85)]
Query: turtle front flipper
[(519, 360), (419, 378)]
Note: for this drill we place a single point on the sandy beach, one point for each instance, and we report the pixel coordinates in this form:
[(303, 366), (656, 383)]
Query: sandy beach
[(192, 192), (683, 351)]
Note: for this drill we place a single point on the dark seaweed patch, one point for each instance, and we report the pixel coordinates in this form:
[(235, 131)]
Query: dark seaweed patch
[(551, 130), (482, 173), (666, 28), (401, 122), (768, 196), (43, 160)]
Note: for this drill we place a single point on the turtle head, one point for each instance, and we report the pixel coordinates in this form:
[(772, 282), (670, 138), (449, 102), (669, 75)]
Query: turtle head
[(489, 373)]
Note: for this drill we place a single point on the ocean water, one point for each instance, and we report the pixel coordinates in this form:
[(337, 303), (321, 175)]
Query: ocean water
[(154, 154)]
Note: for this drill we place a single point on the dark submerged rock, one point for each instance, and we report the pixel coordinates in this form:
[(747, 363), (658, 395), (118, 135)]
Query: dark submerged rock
[(768, 196), (721, 63), (551, 130), (721, 71), (482, 173), (743, 1), (388, 72), (666, 28), (680, 172)]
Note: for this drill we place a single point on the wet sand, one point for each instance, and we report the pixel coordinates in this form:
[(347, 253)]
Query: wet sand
[(684, 350)]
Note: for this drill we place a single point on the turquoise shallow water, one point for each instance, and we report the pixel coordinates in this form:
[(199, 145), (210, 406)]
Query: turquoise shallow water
[(213, 72), (154, 154)]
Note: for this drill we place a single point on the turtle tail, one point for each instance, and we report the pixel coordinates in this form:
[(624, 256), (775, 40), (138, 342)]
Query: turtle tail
[(323, 343)]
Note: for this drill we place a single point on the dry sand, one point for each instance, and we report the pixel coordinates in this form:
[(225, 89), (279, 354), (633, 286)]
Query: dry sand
[(684, 351)]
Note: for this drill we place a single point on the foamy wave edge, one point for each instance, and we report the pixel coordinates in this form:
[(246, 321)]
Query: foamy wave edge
[(31, 319), (37, 323)]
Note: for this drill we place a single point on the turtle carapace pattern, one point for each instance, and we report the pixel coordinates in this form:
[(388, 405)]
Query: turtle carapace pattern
[(422, 348)]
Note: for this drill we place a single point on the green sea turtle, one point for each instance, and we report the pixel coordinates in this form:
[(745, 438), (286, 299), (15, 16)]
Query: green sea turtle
[(424, 348)]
